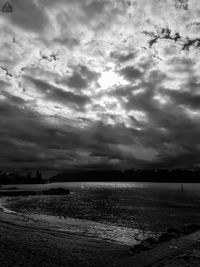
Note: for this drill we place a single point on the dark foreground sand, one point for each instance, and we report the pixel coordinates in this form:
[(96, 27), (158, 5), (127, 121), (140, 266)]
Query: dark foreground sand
[(24, 242)]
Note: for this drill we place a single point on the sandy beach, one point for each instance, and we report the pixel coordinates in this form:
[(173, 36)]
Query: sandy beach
[(25, 243), (42, 240)]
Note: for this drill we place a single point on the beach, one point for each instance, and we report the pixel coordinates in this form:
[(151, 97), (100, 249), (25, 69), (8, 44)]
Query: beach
[(98, 226), (26, 243)]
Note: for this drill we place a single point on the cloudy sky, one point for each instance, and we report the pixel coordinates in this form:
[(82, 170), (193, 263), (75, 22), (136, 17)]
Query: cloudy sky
[(100, 84)]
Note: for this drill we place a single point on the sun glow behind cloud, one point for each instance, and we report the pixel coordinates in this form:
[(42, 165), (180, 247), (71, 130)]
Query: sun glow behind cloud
[(91, 73), (109, 79)]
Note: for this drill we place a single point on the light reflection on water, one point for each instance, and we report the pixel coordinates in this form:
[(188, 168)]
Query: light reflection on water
[(172, 186)]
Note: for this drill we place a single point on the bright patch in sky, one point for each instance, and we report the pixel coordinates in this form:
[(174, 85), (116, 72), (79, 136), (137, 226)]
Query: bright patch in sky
[(109, 79)]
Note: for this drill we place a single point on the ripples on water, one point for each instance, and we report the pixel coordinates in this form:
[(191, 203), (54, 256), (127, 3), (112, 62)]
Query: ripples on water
[(125, 213)]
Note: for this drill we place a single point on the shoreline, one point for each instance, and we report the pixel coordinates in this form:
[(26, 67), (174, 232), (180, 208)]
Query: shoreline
[(4, 208), (111, 233), (70, 225), (43, 245), (29, 242)]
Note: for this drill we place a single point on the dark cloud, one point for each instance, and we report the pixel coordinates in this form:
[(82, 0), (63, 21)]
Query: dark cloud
[(122, 57), (185, 98), (87, 73), (29, 141), (70, 42), (77, 81), (81, 78), (4, 84), (55, 94), (181, 4), (131, 73), (15, 100), (114, 135), (95, 8), (27, 15)]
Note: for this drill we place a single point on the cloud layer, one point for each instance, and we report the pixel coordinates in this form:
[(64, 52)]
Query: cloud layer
[(90, 84)]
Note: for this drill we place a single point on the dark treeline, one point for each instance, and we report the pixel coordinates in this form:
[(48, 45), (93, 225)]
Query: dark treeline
[(158, 175), (21, 178)]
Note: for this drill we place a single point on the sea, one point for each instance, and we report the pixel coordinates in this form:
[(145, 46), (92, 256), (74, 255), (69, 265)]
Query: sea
[(125, 213)]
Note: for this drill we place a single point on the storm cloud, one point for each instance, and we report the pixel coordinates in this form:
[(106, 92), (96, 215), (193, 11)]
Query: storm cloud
[(100, 84)]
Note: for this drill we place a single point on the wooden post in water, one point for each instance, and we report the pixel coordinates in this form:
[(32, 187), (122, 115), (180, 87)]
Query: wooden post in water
[(182, 188)]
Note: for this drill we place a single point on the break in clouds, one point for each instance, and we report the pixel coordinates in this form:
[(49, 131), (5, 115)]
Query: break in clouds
[(100, 84)]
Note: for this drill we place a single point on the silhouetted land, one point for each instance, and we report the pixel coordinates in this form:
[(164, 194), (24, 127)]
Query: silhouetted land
[(20, 178), (171, 176), (155, 175)]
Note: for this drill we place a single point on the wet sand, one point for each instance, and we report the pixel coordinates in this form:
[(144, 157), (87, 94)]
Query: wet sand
[(26, 243)]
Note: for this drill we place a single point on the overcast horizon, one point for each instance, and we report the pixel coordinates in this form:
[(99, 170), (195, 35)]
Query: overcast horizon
[(88, 84)]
